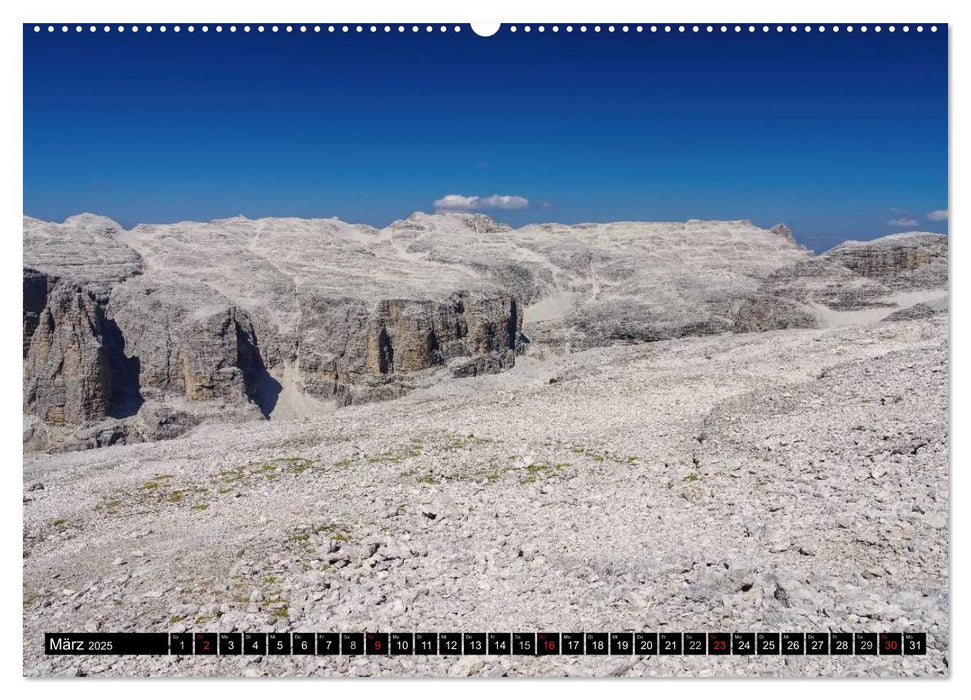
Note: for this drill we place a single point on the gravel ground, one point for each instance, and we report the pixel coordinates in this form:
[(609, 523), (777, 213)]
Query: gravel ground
[(784, 481)]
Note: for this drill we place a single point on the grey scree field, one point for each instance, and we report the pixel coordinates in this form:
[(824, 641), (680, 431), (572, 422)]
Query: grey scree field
[(308, 426)]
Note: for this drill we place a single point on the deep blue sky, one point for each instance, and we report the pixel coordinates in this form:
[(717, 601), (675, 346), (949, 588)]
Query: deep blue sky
[(834, 134)]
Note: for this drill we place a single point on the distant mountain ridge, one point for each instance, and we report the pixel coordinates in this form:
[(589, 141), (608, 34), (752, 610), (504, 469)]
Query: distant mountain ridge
[(140, 334)]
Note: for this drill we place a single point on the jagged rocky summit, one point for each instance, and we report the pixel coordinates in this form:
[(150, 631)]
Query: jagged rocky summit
[(140, 334)]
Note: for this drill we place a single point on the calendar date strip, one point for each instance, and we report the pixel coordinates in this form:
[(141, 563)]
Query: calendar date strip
[(487, 643)]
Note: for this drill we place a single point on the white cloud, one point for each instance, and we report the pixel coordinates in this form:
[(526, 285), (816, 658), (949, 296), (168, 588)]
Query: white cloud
[(505, 201), (456, 202), (462, 202), (937, 215), (902, 222)]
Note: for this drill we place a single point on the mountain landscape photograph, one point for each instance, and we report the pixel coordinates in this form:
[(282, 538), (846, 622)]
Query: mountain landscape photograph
[(569, 329)]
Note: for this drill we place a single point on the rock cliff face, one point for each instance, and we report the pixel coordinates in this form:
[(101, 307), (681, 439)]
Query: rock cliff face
[(142, 334), (353, 351), (885, 273), (901, 261), (66, 377), (136, 335), (69, 272)]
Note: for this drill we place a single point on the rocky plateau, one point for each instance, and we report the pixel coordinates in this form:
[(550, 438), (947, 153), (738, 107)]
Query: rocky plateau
[(144, 334), (451, 425)]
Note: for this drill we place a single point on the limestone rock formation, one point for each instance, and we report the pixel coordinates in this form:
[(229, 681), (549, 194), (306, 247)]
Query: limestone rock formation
[(887, 273), (784, 231), (69, 272), (920, 310), (66, 378), (360, 352), (141, 334), (132, 335), (86, 249), (900, 261)]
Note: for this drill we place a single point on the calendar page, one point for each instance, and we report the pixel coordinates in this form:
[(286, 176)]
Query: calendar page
[(451, 350)]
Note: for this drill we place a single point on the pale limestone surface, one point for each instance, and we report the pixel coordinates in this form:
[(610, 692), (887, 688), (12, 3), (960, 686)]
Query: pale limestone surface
[(776, 459), (789, 480)]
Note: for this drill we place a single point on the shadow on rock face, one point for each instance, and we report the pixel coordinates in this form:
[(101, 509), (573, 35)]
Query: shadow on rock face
[(266, 391), (126, 394), (261, 388)]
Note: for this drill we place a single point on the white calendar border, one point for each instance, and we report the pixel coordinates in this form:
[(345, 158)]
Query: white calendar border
[(450, 11)]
